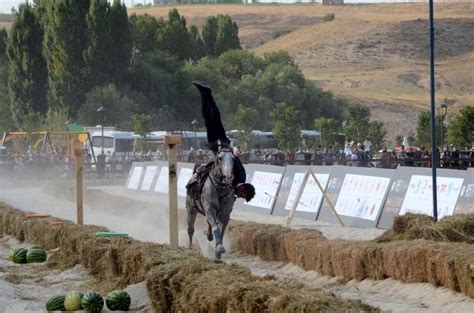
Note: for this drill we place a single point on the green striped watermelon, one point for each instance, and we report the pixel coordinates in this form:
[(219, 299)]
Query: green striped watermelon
[(18, 255), (56, 303), (118, 300), (36, 255), (73, 300), (92, 302)]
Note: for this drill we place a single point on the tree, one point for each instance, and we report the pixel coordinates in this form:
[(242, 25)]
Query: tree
[(121, 38), (119, 107), (172, 36), (245, 120), (423, 130), (220, 34), (461, 128), (227, 34), (209, 35), (286, 127), (143, 29), (141, 124), (55, 119), (99, 51), (377, 135), (3, 42), (198, 50), (27, 76), (64, 46), (6, 120), (357, 127), (329, 129)]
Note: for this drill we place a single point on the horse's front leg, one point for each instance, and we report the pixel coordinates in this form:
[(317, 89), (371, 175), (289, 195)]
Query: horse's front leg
[(211, 214), (191, 219)]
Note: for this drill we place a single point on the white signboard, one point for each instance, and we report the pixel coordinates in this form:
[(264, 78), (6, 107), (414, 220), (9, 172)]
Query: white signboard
[(183, 179), (362, 196), (266, 187), (162, 182), (150, 173), (311, 197), (135, 178), (419, 196)]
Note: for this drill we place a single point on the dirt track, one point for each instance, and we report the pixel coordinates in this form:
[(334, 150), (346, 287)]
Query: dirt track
[(145, 220)]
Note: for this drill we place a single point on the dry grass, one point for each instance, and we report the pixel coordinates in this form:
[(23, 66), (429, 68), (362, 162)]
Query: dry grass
[(177, 280), (420, 257)]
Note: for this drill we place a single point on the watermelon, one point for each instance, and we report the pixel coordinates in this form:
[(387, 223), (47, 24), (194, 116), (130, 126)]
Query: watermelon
[(18, 255), (56, 303), (118, 300), (36, 255), (72, 302), (92, 302)]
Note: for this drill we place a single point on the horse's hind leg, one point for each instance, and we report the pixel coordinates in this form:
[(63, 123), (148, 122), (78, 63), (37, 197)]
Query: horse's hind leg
[(208, 232), (192, 213)]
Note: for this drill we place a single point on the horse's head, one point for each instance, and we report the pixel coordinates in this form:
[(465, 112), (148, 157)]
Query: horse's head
[(225, 163)]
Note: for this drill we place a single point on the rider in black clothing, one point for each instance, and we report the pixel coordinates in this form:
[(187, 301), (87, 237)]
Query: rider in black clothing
[(216, 133)]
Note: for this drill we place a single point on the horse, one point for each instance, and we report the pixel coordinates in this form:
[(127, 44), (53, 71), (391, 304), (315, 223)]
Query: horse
[(215, 200)]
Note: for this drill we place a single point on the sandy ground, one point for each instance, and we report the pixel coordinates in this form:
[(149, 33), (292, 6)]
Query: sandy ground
[(147, 221), (27, 287)]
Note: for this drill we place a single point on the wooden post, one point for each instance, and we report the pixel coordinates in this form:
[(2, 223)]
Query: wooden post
[(297, 200), (173, 141), (326, 197), (77, 148)]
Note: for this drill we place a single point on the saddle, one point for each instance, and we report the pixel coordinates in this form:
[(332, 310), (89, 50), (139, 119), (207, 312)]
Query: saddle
[(196, 183)]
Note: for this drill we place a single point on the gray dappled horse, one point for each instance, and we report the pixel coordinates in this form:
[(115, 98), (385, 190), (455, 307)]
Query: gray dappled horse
[(216, 200)]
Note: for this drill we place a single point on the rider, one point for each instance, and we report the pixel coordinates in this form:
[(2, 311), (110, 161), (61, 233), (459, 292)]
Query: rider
[(216, 134)]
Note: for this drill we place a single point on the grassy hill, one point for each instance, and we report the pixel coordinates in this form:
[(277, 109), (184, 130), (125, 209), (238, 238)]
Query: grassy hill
[(374, 54)]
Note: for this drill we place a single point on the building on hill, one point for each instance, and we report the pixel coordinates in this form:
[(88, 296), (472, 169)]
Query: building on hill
[(333, 2)]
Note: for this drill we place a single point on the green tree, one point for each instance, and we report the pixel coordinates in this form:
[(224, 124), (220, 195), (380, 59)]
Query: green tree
[(461, 128), (173, 37), (377, 135), (329, 129), (286, 127), (99, 50), (64, 46), (197, 45), (423, 130), (141, 124), (55, 119), (357, 127), (209, 35), (121, 38), (227, 34), (144, 28), (6, 120), (3, 42), (119, 107), (32, 121), (245, 120), (27, 76)]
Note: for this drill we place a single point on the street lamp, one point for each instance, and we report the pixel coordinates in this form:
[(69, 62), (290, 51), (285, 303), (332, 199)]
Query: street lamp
[(103, 116), (442, 111), (194, 122)]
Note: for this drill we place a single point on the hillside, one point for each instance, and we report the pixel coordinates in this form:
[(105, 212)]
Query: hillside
[(375, 54)]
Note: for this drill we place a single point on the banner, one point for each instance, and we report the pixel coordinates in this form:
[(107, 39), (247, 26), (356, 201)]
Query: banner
[(162, 182), (419, 196), (362, 196), (134, 180), (311, 197), (184, 176), (266, 186), (150, 173)]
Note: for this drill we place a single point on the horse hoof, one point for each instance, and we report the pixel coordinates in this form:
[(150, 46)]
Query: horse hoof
[(209, 235), (220, 248)]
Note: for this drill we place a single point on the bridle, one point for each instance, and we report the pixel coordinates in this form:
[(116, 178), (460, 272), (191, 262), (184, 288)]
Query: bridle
[(216, 175)]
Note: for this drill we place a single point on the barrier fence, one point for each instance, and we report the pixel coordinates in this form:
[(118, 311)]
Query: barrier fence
[(362, 197)]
